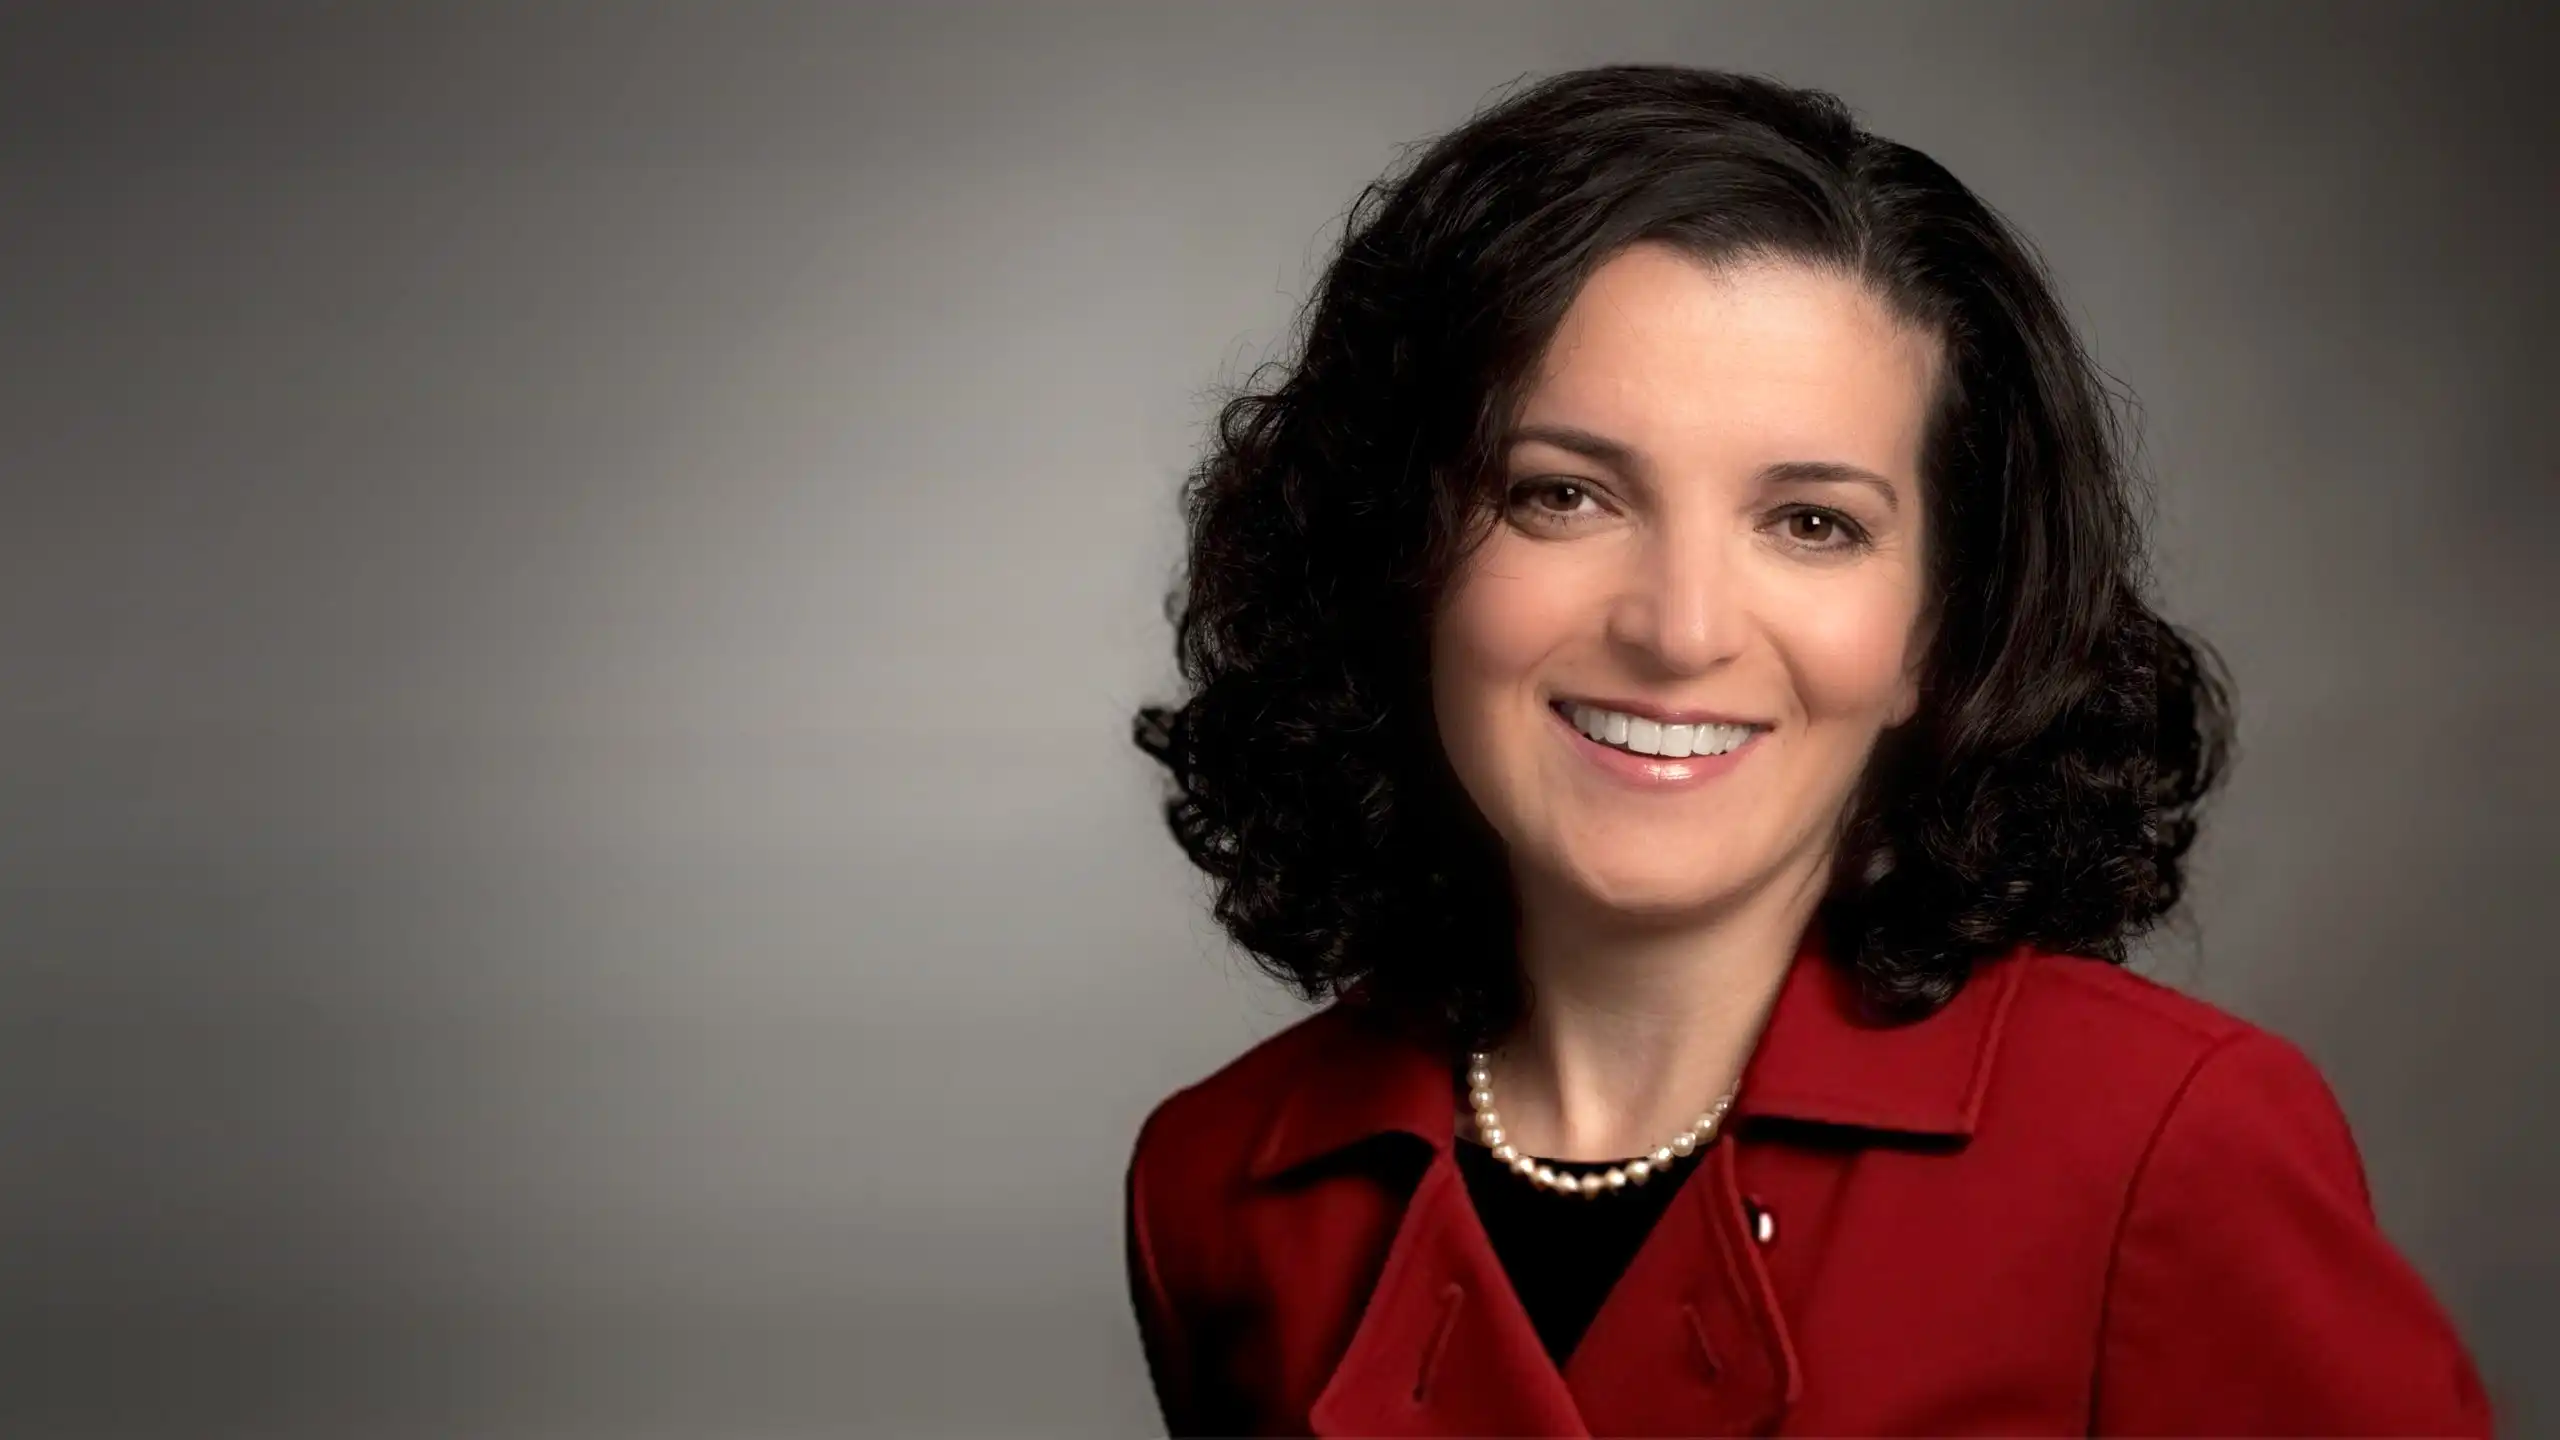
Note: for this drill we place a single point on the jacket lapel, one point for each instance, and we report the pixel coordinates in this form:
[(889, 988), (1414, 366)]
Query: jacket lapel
[(1692, 1338), (1825, 1059), (1444, 1347)]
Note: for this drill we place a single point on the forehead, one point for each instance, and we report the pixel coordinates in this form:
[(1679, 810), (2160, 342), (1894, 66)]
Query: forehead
[(1737, 364)]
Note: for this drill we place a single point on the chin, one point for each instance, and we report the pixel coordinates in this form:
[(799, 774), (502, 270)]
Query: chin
[(1652, 892)]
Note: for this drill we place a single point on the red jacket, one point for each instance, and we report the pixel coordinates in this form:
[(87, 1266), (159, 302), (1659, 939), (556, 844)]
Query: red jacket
[(2073, 1201)]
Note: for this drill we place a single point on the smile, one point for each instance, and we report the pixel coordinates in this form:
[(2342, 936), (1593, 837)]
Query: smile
[(1637, 735), (1673, 757)]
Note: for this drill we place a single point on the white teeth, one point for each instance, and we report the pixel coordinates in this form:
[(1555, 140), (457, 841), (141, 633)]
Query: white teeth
[(1651, 737)]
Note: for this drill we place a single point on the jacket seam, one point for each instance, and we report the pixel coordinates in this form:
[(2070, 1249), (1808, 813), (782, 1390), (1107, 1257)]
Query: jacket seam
[(2124, 1214), (2162, 1007)]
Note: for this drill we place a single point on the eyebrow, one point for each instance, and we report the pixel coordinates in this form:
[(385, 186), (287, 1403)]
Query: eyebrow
[(1620, 456)]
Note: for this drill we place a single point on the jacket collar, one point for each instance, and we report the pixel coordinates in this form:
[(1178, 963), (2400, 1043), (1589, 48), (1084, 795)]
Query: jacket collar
[(1820, 1058)]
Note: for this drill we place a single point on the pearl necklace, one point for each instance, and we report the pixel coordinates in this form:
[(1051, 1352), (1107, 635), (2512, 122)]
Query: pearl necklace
[(1616, 1177)]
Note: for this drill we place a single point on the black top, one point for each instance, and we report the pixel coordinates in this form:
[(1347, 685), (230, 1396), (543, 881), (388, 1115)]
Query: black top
[(1563, 1252)]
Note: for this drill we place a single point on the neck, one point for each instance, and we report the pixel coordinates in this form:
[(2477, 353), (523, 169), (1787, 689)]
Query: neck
[(1635, 1026)]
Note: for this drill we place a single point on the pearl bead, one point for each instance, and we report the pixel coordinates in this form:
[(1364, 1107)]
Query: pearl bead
[(1616, 1177)]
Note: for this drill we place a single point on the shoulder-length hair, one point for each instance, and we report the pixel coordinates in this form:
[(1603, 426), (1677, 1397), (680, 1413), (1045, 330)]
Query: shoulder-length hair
[(2044, 794)]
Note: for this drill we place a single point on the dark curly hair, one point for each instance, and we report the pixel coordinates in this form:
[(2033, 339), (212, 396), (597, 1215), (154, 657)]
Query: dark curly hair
[(2046, 791)]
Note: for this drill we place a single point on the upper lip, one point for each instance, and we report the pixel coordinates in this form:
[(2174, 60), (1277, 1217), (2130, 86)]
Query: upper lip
[(1665, 714)]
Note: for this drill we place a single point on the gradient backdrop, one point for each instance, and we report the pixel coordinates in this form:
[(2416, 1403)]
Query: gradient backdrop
[(574, 579)]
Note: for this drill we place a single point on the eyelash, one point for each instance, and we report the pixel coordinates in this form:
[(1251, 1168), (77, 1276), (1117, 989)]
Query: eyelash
[(1856, 534)]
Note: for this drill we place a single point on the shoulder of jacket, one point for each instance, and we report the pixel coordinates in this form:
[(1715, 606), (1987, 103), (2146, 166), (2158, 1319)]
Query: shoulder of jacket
[(1205, 1130), (2098, 1036), (2107, 1017), (1188, 1165)]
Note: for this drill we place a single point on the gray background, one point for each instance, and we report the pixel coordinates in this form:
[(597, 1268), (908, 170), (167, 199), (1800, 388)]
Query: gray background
[(574, 580)]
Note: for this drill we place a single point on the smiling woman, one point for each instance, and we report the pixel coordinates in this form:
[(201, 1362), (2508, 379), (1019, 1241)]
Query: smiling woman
[(1702, 519), (1670, 653)]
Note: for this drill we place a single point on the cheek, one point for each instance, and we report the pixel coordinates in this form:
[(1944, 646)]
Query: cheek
[(1500, 622), (1850, 652)]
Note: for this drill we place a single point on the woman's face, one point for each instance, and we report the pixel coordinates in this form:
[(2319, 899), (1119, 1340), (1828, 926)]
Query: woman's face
[(1712, 505)]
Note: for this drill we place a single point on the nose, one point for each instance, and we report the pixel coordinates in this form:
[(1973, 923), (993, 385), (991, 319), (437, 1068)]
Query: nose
[(1681, 603)]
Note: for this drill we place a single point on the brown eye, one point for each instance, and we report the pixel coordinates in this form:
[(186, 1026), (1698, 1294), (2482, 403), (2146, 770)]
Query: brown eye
[(1552, 500), (1813, 528)]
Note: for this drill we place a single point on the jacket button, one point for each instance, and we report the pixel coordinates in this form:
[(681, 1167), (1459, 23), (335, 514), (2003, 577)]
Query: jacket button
[(1764, 1225)]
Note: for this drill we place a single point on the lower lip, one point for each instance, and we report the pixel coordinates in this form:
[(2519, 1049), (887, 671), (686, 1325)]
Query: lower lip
[(1653, 772)]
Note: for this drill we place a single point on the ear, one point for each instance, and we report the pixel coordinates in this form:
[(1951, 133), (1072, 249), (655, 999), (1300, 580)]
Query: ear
[(1906, 698)]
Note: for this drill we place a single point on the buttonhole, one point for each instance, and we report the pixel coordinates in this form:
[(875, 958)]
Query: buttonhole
[(1698, 1332), (1450, 1295)]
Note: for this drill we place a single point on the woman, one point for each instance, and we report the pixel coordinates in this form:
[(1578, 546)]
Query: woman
[(1667, 663)]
